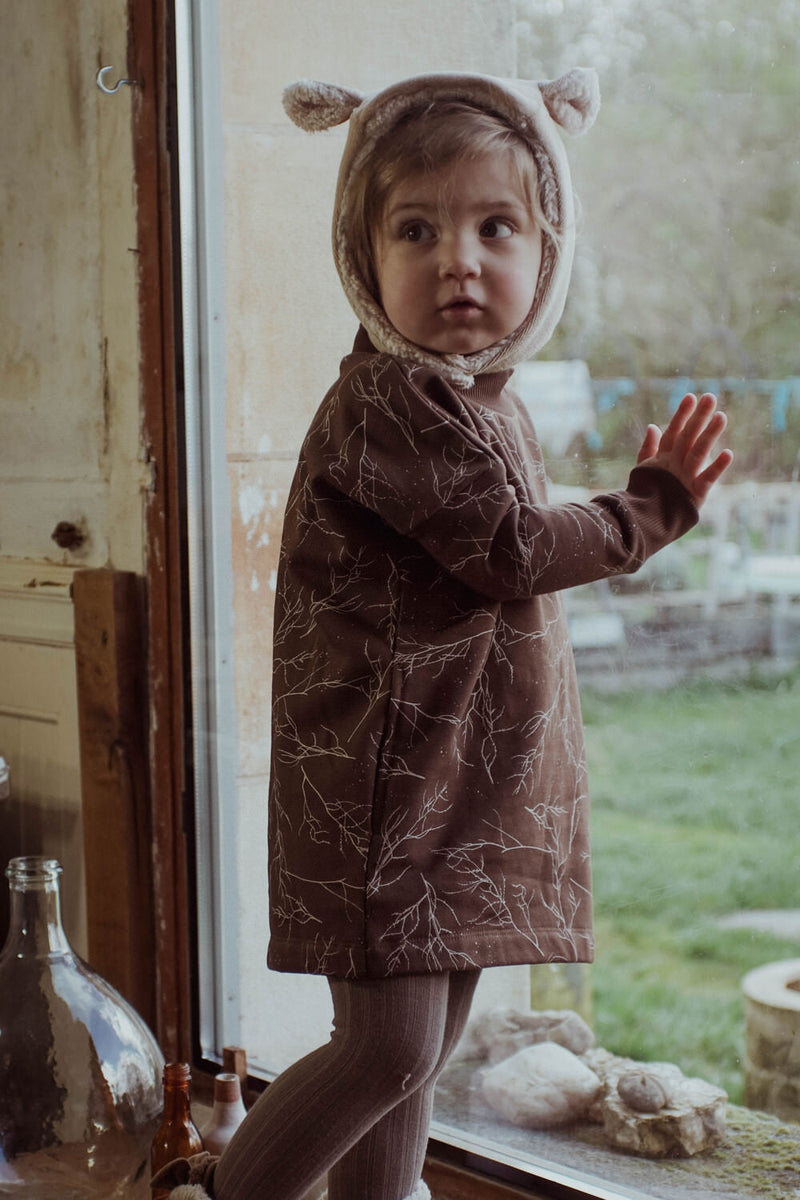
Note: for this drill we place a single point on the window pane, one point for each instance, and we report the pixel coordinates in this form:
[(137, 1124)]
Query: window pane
[(689, 669)]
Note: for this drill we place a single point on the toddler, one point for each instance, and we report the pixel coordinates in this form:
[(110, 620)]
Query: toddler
[(428, 806)]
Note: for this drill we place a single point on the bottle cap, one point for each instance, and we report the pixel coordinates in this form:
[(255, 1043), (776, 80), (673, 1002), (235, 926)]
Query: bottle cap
[(226, 1087)]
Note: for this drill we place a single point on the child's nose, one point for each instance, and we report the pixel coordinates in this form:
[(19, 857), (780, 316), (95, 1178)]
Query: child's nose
[(459, 257)]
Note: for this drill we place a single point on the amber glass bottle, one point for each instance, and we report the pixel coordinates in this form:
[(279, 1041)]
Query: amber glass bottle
[(178, 1136)]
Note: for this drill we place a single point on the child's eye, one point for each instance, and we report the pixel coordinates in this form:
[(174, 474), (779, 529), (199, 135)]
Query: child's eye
[(416, 231), (496, 227)]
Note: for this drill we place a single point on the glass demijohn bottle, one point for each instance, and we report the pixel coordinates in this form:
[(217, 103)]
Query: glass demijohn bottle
[(79, 1069)]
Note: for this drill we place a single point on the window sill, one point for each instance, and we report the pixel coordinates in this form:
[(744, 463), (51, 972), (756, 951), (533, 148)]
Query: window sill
[(759, 1162), (450, 1182)]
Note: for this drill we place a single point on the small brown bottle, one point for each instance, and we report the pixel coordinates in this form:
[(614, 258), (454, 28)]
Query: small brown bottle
[(178, 1136)]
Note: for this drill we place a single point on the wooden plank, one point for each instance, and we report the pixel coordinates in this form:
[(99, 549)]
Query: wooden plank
[(111, 685), (151, 59)]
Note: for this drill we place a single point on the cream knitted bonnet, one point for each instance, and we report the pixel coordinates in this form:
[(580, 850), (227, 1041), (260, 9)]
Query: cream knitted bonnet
[(534, 111)]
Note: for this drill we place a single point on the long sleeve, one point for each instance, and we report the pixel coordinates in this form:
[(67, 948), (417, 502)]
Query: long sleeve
[(405, 446)]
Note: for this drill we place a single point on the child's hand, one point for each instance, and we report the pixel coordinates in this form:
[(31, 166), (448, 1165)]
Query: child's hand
[(686, 445)]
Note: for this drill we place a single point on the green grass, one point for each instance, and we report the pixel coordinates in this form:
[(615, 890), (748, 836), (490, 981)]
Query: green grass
[(696, 813)]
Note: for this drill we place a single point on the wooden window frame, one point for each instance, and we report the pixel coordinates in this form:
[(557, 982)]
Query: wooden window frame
[(151, 60)]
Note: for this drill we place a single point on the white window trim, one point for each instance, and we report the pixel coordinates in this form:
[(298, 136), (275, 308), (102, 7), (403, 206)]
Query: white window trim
[(210, 601)]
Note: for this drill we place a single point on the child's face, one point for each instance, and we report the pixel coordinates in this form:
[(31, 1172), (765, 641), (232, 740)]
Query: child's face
[(458, 253)]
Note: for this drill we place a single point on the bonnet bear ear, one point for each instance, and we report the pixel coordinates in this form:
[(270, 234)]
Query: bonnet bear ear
[(573, 100), (313, 105)]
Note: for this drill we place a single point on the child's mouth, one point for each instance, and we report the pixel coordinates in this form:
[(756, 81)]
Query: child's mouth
[(462, 306)]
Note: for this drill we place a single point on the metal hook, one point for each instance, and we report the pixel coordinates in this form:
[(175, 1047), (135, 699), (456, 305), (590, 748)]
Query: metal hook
[(112, 91)]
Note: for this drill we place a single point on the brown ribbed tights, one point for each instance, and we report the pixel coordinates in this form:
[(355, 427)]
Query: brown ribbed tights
[(359, 1107)]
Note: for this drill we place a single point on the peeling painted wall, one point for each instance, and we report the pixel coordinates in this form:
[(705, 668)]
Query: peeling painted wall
[(69, 401), (70, 443)]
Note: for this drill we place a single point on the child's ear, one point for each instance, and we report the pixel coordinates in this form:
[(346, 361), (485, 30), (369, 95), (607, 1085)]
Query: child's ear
[(313, 105), (573, 100)]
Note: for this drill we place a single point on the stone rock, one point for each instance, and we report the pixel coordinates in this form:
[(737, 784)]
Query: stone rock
[(642, 1091), (501, 1032), (612, 1067), (691, 1120), (694, 1122), (541, 1086), (772, 1023)]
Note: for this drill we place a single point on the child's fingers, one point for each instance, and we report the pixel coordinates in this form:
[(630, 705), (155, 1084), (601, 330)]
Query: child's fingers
[(701, 430), (702, 412), (702, 440), (706, 480), (650, 444), (678, 421)]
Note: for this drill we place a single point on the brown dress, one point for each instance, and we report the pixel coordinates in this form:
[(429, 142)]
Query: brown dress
[(428, 803)]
